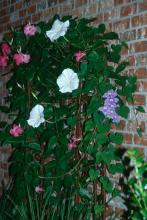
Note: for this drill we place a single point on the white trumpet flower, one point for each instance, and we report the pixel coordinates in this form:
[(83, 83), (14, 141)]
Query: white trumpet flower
[(68, 81), (36, 116), (58, 29)]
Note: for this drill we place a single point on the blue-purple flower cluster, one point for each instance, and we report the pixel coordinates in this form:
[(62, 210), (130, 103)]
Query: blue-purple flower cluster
[(110, 105)]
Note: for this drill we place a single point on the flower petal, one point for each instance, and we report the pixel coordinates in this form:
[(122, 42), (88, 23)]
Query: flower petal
[(68, 81)]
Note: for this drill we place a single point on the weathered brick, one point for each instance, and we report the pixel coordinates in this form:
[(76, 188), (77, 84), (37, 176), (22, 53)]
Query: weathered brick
[(112, 14), (23, 13), (18, 5), (142, 6), (141, 73), (139, 100), (118, 2), (128, 35), (36, 17), (142, 33), (140, 140), (41, 5), (140, 46), (139, 20), (3, 12), (80, 2), (121, 25), (131, 60), (126, 10), (32, 9), (127, 138), (141, 59), (120, 126), (132, 125)]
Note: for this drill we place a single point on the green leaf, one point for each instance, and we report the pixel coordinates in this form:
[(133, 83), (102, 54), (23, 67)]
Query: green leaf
[(98, 209), (99, 158), (93, 56), (89, 125), (98, 119), (51, 142), (101, 29), (83, 70), (121, 67), (139, 131), (123, 111), (93, 174), (111, 36), (34, 146), (4, 109), (116, 138), (72, 121), (85, 193), (115, 193), (93, 106), (107, 184), (116, 168), (116, 48), (101, 138), (140, 109)]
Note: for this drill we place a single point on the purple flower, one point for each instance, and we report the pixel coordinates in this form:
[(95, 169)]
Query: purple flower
[(110, 105)]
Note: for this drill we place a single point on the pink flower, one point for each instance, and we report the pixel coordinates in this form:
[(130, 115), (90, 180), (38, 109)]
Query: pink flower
[(30, 30), (38, 189), (26, 58), (16, 131), (21, 58), (5, 49), (72, 144), (79, 55), (3, 61)]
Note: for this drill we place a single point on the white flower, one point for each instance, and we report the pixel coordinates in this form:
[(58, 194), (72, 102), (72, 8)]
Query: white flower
[(68, 81), (58, 29), (36, 116)]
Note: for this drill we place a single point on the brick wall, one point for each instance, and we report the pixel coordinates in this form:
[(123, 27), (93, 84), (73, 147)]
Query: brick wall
[(127, 17)]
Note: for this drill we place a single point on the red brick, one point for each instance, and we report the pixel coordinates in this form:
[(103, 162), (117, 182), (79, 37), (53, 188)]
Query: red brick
[(4, 165), (140, 140), (127, 138), (139, 99), (36, 17), (142, 85), (5, 19), (120, 126), (131, 60), (126, 10), (3, 12), (145, 85), (32, 9), (18, 5), (128, 35), (132, 125), (142, 33), (121, 25), (124, 51), (141, 59), (118, 2), (139, 20), (99, 19), (142, 6), (80, 2), (139, 46), (22, 13)]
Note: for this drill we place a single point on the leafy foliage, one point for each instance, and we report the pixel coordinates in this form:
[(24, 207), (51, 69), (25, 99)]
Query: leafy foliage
[(41, 155), (136, 186)]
